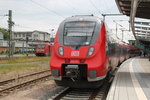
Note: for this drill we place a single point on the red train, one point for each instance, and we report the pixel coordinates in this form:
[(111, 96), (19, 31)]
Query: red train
[(85, 51), (44, 49)]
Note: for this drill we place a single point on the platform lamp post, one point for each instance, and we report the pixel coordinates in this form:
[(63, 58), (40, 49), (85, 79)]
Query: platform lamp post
[(123, 30), (27, 39), (110, 15), (117, 24), (123, 21), (122, 34), (52, 34)]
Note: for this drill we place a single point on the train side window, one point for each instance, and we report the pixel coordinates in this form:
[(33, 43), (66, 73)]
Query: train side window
[(107, 49)]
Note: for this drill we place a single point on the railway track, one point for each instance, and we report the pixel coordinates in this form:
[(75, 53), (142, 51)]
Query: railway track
[(66, 93), (15, 57), (10, 85), (75, 94), (81, 94), (21, 77)]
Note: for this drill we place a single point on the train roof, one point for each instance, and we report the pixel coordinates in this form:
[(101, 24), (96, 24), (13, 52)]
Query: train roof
[(83, 18)]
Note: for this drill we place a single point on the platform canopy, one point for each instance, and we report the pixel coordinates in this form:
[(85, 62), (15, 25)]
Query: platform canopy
[(137, 9)]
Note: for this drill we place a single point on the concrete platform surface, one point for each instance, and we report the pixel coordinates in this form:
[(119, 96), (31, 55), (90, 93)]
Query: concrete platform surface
[(132, 81)]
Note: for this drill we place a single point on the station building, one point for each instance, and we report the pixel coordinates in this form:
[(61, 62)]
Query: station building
[(25, 40), (32, 36)]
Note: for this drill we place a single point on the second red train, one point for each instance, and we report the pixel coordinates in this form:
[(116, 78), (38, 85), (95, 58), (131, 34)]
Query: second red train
[(44, 49)]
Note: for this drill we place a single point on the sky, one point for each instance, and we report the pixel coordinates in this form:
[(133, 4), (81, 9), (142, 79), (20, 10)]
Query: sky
[(45, 15)]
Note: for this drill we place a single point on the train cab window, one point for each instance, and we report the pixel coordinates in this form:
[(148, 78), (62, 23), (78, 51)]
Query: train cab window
[(78, 33), (107, 49), (41, 46)]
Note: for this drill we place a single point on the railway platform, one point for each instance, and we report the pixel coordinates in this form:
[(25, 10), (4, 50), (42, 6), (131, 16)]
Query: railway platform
[(132, 81)]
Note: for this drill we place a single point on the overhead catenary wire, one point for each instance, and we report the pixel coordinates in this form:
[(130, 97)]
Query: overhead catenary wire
[(26, 27), (68, 3), (95, 7), (110, 9), (22, 26), (52, 11), (2, 17)]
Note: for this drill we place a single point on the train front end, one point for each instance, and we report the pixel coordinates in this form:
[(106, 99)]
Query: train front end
[(79, 57), (43, 49)]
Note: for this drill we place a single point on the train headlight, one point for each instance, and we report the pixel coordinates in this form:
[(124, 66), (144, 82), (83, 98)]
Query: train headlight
[(91, 51), (61, 51)]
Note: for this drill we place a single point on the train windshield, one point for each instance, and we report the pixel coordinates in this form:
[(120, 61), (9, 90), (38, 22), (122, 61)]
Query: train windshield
[(78, 33), (41, 46)]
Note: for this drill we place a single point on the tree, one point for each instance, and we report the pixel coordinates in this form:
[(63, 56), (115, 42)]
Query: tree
[(5, 33)]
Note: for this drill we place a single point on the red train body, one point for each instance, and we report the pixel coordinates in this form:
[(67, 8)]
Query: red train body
[(44, 49), (85, 52)]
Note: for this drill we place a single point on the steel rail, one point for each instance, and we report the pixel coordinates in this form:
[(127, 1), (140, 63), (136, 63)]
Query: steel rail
[(82, 94), (7, 58), (22, 84), (21, 77)]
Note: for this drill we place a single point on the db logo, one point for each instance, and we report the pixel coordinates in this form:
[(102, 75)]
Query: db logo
[(75, 53)]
